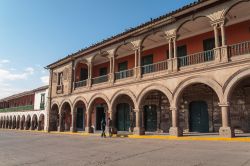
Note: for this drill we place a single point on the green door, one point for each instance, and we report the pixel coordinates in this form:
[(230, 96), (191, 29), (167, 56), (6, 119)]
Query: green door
[(150, 118), (100, 115), (79, 119), (123, 118), (198, 117)]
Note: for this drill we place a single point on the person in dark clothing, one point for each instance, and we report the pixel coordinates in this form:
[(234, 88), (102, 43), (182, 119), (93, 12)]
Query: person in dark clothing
[(103, 126), (110, 127)]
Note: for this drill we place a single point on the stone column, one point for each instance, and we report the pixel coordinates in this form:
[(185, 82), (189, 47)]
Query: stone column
[(175, 59), (138, 130), (88, 128), (175, 130), (111, 69), (60, 127), (113, 118), (139, 73), (47, 127), (226, 130), (224, 50), (136, 62), (90, 74), (170, 50), (217, 53), (73, 121)]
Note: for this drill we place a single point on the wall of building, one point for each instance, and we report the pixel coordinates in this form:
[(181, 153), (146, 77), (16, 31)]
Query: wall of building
[(38, 99)]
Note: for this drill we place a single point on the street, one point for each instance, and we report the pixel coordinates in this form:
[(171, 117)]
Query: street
[(19, 148)]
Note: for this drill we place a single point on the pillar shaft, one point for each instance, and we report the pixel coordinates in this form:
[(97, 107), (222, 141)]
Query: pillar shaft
[(216, 37), (170, 48), (223, 36)]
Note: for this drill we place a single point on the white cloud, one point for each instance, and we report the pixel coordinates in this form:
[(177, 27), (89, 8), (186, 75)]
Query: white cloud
[(29, 70), (4, 61), (45, 80)]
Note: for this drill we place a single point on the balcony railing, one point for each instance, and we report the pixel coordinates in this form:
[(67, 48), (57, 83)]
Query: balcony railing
[(196, 58), (59, 89), (19, 108), (155, 67), (124, 74), (80, 84), (100, 79), (239, 49), (42, 106)]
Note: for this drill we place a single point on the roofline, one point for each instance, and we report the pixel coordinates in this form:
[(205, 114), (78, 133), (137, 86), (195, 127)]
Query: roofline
[(25, 93), (187, 9)]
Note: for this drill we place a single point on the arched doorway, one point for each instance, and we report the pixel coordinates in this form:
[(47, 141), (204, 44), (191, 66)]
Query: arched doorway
[(41, 122), (150, 118), (66, 117), (198, 117), (34, 123), (54, 118), (239, 100), (28, 122), (7, 122), (123, 116), (156, 114), (98, 112), (18, 122), (22, 125), (10, 123), (80, 116), (14, 122)]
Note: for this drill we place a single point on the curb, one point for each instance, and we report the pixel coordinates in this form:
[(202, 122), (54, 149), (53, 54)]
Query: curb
[(159, 137)]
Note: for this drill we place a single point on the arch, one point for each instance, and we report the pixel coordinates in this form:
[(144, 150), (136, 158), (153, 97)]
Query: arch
[(66, 101), (54, 117), (10, 122), (119, 46), (233, 81), (190, 20), (96, 96), (80, 98), (152, 87), (28, 122), (196, 80), (18, 122), (41, 122), (232, 6), (34, 122), (121, 92), (22, 123), (65, 116), (155, 32), (14, 122)]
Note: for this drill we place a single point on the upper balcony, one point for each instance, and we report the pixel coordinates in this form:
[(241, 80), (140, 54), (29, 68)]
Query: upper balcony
[(197, 42), (17, 109)]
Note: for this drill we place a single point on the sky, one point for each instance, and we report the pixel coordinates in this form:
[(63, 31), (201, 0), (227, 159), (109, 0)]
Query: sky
[(35, 33)]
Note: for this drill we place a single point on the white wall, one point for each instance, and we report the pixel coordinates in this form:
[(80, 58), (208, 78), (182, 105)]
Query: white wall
[(38, 99)]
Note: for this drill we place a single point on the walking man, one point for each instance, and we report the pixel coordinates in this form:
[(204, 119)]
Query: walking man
[(103, 126), (110, 127)]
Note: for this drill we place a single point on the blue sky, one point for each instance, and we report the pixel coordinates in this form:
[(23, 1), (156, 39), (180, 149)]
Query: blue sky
[(35, 33)]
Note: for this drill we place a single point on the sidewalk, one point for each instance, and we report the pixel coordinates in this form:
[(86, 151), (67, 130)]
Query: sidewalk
[(186, 137)]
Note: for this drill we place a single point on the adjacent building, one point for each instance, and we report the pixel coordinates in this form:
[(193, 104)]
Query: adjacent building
[(25, 111)]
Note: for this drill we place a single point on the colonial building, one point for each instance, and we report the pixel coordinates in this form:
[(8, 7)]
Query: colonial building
[(186, 71), (25, 111)]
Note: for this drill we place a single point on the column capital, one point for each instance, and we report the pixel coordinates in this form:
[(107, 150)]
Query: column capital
[(227, 104), (218, 22), (173, 109)]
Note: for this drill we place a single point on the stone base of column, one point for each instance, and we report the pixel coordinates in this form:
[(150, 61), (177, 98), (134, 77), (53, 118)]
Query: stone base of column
[(59, 129), (139, 131), (88, 130), (175, 64), (175, 131), (72, 129), (227, 132)]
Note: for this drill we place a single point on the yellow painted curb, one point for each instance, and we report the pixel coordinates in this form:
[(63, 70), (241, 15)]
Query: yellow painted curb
[(159, 137)]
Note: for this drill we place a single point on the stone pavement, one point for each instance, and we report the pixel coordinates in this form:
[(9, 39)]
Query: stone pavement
[(34, 148)]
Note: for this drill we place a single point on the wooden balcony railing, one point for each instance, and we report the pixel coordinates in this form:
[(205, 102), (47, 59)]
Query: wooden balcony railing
[(80, 84), (155, 67), (239, 49), (124, 74), (100, 79), (196, 58), (19, 108)]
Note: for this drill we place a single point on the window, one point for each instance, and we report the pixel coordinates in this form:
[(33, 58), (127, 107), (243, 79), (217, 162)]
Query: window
[(83, 74), (123, 66), (59, 79), (208, 44), (181, 51), (147, 60), (42, 101), (103, 71)]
